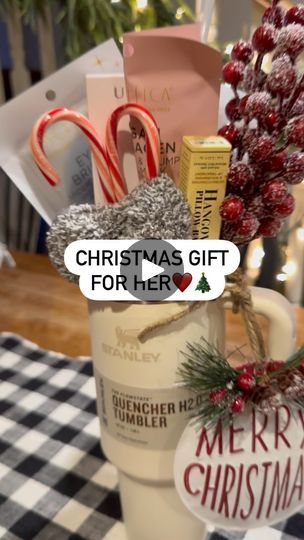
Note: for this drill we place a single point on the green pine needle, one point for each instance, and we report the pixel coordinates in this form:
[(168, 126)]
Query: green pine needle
[(205, 370)]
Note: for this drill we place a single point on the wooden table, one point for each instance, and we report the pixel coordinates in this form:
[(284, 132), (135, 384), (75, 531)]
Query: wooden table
[(41, 306), (37, 303)]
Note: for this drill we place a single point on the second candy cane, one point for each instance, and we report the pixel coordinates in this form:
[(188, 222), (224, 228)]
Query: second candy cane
[(152, 144)]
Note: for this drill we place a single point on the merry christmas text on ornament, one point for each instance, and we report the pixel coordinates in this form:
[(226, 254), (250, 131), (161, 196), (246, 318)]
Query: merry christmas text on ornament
[(152, 270), (245, 475)]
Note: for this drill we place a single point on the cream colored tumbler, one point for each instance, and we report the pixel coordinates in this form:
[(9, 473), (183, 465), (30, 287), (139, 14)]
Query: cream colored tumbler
[(141, 409)]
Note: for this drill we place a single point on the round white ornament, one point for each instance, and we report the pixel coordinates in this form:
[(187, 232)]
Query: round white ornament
[(247, 475)]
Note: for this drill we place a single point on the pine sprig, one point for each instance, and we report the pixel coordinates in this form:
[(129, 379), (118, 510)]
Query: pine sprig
[(224, 391), (213, 372), (204, 370)]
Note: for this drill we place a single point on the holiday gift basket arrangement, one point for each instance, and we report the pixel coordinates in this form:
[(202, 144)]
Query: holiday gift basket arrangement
[(197, 438)]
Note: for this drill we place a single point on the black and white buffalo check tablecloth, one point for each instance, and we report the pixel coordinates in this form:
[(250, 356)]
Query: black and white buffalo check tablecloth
[(55, 484)]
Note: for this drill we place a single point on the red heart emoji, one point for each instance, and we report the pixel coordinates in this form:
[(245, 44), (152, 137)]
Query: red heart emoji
[(182, 281)]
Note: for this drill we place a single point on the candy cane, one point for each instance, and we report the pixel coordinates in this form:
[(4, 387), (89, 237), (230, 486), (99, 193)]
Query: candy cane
[(152, 144), (99, 153)]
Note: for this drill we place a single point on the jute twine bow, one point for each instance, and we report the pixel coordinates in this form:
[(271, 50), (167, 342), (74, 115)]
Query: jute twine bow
[(238, 294)]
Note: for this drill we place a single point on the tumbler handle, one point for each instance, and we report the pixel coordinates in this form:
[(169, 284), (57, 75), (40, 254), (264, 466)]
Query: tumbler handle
[(281, 317), (282, 322)]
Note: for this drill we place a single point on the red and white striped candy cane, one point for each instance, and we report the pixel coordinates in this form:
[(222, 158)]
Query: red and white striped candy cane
[(99, 153), (152, 144)]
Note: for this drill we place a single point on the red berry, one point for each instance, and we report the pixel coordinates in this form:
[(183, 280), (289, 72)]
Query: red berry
[(295, 15), (269, 227), (274, 191), (295, 131), (274, 15), (274, 365), (260, 174), (277, 161), (230, 133), (246, 228), (245, 381), (217, 396), (232, 110), (298, 107), (285, 208), (242, 105), (247, 191), (282, 76), (294, 168), (262, 149), (258, 105), (264, 38), (233, 72), (291, 40), (242, 51), (250, 137), (237, 405), (250, 368), (232, 208), (256, 206), (239, 175), (271, 121)]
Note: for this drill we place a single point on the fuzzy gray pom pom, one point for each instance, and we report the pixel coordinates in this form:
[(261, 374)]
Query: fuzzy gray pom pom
[(153, 210), (78, 222), (157, 209)]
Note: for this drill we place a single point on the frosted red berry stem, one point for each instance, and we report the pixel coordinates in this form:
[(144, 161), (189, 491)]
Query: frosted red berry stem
[(266, 126)]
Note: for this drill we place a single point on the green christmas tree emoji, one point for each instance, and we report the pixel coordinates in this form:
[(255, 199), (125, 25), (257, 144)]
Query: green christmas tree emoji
[(203, 284)]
